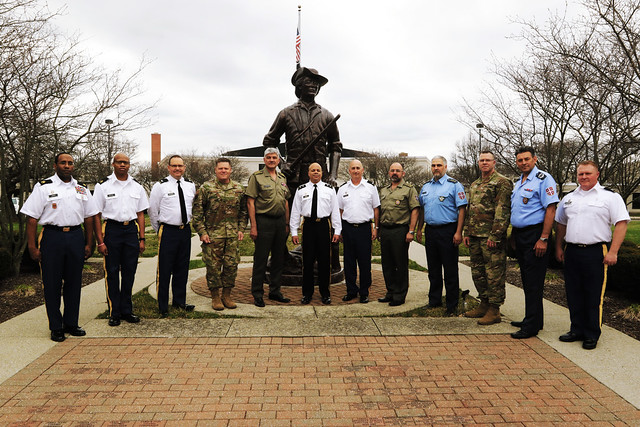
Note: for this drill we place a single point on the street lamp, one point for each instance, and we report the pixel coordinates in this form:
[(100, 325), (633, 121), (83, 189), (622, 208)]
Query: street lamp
[(480, 126), (109, 122)]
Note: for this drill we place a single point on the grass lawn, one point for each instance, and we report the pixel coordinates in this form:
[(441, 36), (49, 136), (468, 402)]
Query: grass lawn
[(633, 232)]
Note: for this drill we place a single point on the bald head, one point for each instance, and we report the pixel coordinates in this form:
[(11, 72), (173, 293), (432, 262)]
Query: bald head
[(355, 171), (396, 172), (315, 172)]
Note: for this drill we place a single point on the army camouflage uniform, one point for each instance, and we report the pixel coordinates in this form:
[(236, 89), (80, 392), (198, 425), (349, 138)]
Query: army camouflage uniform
[(220, 211), (488, 218)]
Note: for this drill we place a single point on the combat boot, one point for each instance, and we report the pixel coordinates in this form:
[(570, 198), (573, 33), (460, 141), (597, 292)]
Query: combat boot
[(216, 304), (226, 298), (491, 316), (480, 310)]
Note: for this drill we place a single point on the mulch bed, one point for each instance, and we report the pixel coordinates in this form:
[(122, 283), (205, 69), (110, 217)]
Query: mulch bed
[(614, 302), (23, 293)]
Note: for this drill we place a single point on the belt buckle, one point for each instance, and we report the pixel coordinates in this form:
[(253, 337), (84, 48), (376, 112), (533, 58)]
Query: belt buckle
[(126, 223), (318, 219), (181, 227), (65, 229)]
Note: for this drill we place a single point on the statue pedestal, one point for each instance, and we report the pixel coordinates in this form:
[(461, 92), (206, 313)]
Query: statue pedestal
[(292, 273)]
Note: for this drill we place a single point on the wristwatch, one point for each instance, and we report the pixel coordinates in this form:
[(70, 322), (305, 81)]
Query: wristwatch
[(412, 232), (544, 239)]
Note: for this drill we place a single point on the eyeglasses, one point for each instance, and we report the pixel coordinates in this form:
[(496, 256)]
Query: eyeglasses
[(176, 166)]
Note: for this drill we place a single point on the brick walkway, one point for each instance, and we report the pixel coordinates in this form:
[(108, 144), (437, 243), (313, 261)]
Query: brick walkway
[(456, 379)]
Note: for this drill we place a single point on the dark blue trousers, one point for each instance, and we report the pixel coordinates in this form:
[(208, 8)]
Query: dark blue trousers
[(174, 252), (124, 248), (356, 241), (442, 254), (585, 283), (532, 271), (61, 267)]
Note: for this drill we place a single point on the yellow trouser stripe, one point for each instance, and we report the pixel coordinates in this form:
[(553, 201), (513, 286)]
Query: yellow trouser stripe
[(158, 265), (605, 250), (104, 267)]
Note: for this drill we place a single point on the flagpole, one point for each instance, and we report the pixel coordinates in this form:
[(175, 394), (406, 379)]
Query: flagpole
[(298, 40)]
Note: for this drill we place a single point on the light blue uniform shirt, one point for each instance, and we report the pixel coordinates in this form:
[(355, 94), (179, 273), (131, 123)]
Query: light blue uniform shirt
[(441, 199), (529, 200)]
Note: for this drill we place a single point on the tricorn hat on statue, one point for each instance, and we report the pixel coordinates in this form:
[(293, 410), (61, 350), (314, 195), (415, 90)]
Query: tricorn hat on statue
[(308, 72)]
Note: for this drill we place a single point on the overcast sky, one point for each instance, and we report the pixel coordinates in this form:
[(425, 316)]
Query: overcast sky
[(221, 70)]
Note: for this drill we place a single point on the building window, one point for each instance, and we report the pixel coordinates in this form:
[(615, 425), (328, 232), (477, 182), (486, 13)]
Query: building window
[(635, 204)]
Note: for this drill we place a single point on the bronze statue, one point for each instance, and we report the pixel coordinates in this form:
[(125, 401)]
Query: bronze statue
[(306, 123)]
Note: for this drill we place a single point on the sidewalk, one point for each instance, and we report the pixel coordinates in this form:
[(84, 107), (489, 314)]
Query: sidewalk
[(322, 365)]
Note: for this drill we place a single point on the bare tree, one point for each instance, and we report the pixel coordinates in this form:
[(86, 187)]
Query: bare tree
[(376, 169)]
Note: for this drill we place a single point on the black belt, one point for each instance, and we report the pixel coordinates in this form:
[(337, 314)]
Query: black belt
[(393, 225), (326, 218), (358, 224), (121, 223), (580, 245), (63, 229), (449, 224), (179, 227), (528, 227)]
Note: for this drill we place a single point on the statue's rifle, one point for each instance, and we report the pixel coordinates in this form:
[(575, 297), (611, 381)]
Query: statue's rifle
[(288, 168)]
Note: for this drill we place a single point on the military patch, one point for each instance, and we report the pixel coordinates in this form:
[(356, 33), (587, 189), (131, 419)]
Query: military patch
[(441, 198), (103, 180), (187, 179), (540, 175), (54, 205), (550, 191), (81, 190), (461, 195), (525, 200)]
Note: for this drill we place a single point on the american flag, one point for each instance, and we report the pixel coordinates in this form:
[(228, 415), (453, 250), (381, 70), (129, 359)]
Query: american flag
[(298, 46)]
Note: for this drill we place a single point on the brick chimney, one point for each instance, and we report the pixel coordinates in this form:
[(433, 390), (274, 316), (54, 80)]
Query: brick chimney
[(155, 152)]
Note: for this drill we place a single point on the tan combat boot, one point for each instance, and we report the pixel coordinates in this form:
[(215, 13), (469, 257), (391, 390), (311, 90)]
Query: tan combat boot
[(216, 304), (491, 316), (479, 311), (226, 298)]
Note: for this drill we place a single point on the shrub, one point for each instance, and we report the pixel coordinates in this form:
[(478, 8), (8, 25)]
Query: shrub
[(5, 263), (625, 275)]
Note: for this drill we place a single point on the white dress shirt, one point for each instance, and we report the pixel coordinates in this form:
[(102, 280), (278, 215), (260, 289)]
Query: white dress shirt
[(590, 214), (59, 203), (357, 202), (120, 200), (327, 206), (164, 202)]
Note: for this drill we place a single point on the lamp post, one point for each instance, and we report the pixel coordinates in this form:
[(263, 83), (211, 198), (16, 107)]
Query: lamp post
[(109, 122), (480, 126)]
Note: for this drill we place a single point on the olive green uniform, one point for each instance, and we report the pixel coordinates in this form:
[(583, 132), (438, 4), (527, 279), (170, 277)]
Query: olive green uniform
[(488, 218), (395, 215), (270, 203), (220, 211)]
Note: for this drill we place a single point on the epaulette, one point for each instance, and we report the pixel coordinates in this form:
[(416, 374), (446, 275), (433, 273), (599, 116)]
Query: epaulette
[(45, 181), (541, 175), (302, 186), (328, 185), (82, 184), (136, 181), (163, 180), (187, 179), (103, 180), (344, 183), (608, 189), (452, 180)]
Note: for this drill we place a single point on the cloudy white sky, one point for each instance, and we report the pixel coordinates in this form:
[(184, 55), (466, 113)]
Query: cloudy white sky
[(221, 69)]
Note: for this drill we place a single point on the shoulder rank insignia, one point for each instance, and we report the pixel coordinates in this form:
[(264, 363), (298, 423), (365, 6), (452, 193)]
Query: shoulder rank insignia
[(163, 180), (103, 180), (452, 180), (541, 175), (187, 180), (302, 186), (608, 189), (327, 185), (82, 184), (136, 181), (45, 181), (344, 183)]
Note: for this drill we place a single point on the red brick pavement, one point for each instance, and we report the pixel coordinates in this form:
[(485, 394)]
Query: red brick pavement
[(242, 290), (406, 380)]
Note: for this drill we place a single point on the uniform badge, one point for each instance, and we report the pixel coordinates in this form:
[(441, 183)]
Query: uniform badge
[(81, 190), (568, 202), (441, 198), (461, 195), (54, 205), (397, 202), (550, 191), (525, 200)]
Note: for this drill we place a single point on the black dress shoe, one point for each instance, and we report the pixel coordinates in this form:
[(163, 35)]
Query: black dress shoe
[(570, 337), (517, 324), (58, 335), (185, 307), (258, 301), (434, 305), (326, 300), (385, 299), (76, 331), (114, 321), (131, 318), (396, 303), (164, 314), (589, 344), (305, 300), (349, 297), (364, 300), (450, 313), (279, 298), (521, 334)]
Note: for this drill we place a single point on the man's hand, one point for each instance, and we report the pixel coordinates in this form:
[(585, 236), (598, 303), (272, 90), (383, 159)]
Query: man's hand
[(560, 255), (419, 237), (102, 249), (466, 240), (142, 247), (409, 237), (336, 238), (295, 240), (457, 239), (610, 259), (240, 236), (254, 232), (205, 239), (374, 233), (491, 244), (87, 251), (540, 247), (35, 254)]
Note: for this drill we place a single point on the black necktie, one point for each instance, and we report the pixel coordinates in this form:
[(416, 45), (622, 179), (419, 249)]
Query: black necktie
[(183, 206), (314, 203)]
